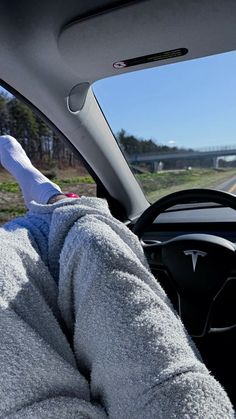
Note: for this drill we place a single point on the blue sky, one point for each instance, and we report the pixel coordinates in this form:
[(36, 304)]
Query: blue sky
[(189, 104)]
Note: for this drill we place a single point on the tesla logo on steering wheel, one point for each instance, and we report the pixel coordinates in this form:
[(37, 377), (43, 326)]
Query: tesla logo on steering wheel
[(194, 254)]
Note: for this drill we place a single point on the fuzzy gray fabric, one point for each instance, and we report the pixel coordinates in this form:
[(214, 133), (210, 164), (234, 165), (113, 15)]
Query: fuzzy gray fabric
[(70, 272)]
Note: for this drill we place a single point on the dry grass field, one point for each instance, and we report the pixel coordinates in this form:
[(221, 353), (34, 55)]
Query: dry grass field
[(11, 201), (154, 185)]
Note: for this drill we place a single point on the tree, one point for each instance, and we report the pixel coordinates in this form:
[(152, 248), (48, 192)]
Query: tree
[(23, 125), (4, 115), (132, 145)]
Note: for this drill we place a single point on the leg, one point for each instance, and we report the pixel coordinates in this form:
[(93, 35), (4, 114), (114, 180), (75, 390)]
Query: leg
[(34, 185), (127, 336), (39, 375)]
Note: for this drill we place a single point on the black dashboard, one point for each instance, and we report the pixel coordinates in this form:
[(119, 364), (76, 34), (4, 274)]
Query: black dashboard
[(211, 219)]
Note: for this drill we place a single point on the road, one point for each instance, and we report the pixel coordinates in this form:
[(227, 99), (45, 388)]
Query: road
[(228, 186)]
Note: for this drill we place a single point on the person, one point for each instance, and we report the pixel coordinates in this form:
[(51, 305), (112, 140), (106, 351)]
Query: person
[(85, 329)]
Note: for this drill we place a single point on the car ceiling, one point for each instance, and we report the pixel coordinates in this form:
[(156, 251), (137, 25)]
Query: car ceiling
[(48, 47), (84, 39)]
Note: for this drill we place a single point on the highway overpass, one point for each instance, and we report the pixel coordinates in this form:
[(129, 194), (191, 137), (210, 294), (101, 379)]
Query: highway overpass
[(215, 153)]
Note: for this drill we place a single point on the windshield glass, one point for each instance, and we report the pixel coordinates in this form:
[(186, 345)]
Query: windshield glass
[(176, 123)]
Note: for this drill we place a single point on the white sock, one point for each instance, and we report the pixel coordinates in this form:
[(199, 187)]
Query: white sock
[(34, 185)]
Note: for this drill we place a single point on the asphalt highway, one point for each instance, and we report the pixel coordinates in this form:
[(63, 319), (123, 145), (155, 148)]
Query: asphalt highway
[(228, 186)]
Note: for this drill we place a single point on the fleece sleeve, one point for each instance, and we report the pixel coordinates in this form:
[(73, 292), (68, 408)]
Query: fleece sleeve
[(127, 337)]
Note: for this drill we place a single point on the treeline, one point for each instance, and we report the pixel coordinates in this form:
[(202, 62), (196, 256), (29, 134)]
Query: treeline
[(132, 145), (46, 150), (40, 143), (43, 146)]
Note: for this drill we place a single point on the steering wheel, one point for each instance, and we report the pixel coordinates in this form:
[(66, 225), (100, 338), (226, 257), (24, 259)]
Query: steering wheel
[(199, 265)]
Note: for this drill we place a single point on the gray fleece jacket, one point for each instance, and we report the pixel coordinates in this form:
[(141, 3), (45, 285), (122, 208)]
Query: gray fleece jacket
[(85, 329)]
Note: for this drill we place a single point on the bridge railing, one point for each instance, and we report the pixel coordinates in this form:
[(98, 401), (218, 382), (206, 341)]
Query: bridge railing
[(216, 148), (181, 151)]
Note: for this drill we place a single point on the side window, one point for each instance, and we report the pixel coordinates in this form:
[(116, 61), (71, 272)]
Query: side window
[(46, 151)]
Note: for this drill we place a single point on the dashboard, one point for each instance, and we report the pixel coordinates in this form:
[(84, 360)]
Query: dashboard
[(211, 219)]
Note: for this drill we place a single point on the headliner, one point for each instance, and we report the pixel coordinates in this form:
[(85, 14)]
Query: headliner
[(76, 41)]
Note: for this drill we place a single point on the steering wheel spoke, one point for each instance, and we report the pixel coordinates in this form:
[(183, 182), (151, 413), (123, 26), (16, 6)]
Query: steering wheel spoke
[(153, 253)]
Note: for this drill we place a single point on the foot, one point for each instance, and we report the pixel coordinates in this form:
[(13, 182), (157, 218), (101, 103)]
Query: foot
[(34, 185)]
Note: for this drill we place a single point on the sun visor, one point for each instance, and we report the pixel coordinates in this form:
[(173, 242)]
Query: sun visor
[(146, 34)]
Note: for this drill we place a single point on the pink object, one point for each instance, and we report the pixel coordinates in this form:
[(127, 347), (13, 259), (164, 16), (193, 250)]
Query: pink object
[(71, 195)]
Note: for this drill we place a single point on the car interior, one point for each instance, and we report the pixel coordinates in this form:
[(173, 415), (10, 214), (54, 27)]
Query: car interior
[(51, 55)]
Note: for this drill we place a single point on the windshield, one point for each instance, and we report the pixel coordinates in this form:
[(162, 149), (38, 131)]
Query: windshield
[(176, 123)]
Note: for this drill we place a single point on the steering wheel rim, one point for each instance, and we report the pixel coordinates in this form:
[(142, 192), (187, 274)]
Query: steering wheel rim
[(206, 244), (185, 196)]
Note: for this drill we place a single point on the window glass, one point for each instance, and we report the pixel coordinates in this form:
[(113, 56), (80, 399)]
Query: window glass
[(176, 123), (47, 152)]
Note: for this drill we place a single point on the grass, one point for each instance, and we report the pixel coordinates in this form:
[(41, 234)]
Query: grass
[(74, 181), (11, 211), (154, 185), (11, 201), (11, 187)]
